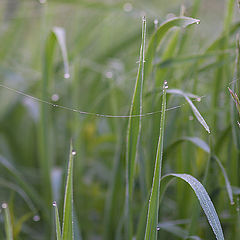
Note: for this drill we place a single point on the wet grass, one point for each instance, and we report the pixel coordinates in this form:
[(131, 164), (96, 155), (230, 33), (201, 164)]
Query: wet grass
[(141, 106)]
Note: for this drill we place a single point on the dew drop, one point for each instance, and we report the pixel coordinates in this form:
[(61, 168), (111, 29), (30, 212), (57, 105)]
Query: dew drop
[(109, 74), (74, 152), (158, 228), (165, 86), (4, 205), (198, 99), (155, 22), (55, 97), (127, 7), (190, 117), (36, 218), (66, 75), (54, 203), (198, 22)]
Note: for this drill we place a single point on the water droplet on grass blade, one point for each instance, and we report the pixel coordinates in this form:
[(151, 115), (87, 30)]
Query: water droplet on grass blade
[(4, 205), (54, 203), (74, 152), (165, 85), (66, 75), (36, 218), (158, 228), (198, 99)]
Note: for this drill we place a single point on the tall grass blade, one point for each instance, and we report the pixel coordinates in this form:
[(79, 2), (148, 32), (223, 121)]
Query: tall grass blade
[(205, 203), (7, 222), (67, 229), (57, 222), (133, 133), (56, 36), (152, 216), (160, 33)]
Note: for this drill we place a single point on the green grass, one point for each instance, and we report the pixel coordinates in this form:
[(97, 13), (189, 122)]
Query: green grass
[(86, 72)]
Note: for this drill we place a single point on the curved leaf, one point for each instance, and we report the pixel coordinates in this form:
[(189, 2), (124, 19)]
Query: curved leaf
[(204, 201), (194, 109), (204, 146), (160, 33)]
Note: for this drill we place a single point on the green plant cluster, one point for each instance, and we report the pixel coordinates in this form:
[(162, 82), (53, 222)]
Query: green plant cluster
[(148, 103)]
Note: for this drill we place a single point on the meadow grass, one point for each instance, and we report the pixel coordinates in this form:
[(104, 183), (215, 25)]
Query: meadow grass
[(69, 77)]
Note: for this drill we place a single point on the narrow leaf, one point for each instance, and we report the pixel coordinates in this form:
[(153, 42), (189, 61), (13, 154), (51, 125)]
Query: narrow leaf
[(57, 222), (134, 129), (7, 222), (187, 96), (205, 203), (160, 33), (61, 38), (67, 230), (197, 114), (152, 217), (205, 147)]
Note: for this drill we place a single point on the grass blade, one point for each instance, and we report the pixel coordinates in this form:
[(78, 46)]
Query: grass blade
[(197, 114), (61, 38), (56, 36), (152, 217), (57, 222), (32, 194), (205, 147), (205, 203), (134, 129), (8, 222), (160, 33), (67, 230)]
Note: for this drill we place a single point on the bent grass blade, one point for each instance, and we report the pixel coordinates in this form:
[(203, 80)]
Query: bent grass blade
[(160, 33), (204, 201)]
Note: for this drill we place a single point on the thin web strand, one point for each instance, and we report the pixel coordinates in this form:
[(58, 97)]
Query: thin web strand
[(89, 113)]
